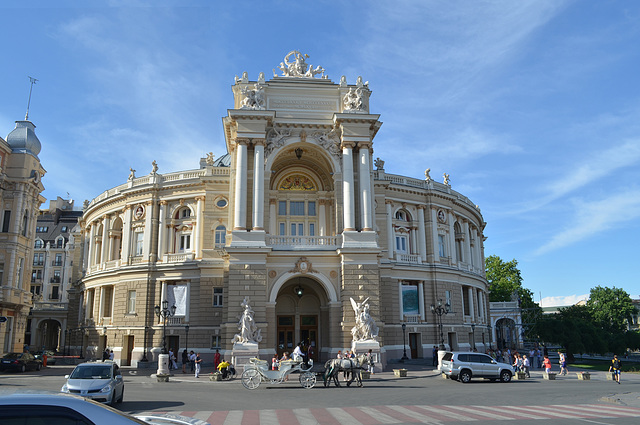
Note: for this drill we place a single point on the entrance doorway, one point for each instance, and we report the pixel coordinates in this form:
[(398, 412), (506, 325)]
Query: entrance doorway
[(309, 333), (414, 343), (127, 349), (286, 330)]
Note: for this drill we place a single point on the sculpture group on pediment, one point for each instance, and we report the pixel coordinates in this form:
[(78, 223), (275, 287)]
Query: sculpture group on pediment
[(253, 97), (329, 140), (209, 159), (298, 66), (353, 101), (276, 139), (379, 163), (447, 181), (427, 176)]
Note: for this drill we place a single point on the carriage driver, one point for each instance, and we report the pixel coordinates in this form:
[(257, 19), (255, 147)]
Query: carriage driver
[(298, 354)]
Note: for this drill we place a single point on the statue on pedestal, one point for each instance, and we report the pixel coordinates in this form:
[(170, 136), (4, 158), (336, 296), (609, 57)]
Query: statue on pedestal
[(365, 328), (249, 332)]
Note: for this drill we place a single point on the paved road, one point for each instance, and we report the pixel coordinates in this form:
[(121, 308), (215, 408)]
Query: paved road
[(422, 397)]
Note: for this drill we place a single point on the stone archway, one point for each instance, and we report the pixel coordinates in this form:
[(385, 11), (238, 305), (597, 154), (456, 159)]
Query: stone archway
[(302, 315), (506, 335), (49, 335)]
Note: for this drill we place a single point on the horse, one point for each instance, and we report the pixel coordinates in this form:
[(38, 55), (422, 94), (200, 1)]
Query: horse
[(334, 366)]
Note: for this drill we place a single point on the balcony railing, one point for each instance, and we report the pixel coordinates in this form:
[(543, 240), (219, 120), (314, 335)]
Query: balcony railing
[(178, 258), (412, 318), (319, 243), (409, 258)]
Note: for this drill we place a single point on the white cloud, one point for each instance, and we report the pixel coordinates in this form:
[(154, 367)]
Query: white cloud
[(562, 300), (596, 217)]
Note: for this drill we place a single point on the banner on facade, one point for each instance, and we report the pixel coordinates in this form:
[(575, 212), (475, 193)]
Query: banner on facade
[(410, 303), (177, 295)]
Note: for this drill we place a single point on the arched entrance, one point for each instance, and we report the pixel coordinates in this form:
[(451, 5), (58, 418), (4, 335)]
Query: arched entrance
[(506, 336), (49, 335), (301, 315)]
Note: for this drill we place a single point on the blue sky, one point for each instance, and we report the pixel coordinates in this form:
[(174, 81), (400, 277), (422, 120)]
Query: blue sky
[(532, 107)]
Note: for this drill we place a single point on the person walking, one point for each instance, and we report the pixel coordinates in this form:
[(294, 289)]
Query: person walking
[(563, 364), (192, 360), (616, 368), (216, 359), (185, 360), (198, 362), (434, 356), (547, 364), (526, 364)]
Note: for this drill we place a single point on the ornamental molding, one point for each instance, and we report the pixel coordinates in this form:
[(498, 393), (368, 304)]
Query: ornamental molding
[(303, 265)]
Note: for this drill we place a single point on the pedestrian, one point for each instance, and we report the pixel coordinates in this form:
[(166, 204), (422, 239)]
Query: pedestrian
[(547, 364), (198, 362), (526, 364), (216, 359), (105, 354), (192, 361), (185, 360), (616, 368), (434, 356), (563, 364), (111, 356), (371, 363), (309, 358)]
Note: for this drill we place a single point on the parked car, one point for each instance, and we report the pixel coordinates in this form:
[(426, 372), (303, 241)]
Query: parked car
[(20, 362), (29, 408), (465, 365), (98, 381), (50, 359)]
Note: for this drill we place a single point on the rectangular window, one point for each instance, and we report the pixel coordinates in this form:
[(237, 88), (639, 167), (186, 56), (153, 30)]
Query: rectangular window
[(38, 259), (1, 272), (90, 300), (59, 243), (281, 230), (296, 208), (19, 275), (55, 292), (56, 276), (441, 246), (401, 244), (185, 242), (217, 297), (64, 229), (466, 310), (312, 229), (311, 207), (131, 302), (215, 341), (139, 243), (107, 306), (25, 221), (447, 297), (36, 289), (293, 229), (282, 207), (6, 221), (42, 229), (58, 260)]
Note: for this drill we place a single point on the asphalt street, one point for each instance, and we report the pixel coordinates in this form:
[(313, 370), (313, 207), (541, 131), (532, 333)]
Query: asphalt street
[(421, 397)]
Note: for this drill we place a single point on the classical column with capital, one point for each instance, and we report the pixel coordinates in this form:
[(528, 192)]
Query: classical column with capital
[(390, 236), (126, 235), (162, 230), (365, 186), (105, 239), (258, 185), (199, 225), (467, 242), (347, 186), (436, 242), (148, 215), (240, 201), (422, 237)]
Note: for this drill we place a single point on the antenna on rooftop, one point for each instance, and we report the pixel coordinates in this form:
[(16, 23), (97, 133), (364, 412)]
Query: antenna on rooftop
[(33, 81)]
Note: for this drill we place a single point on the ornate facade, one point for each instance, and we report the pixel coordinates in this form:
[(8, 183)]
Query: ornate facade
[(298, 217)]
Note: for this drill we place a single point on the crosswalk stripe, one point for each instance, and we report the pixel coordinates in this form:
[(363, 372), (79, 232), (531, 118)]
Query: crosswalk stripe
[(603, 407), (443, 412), (304, 416), (514, 410), (415, 415), (361, 416), (381, 417), (476, 411), (536, 409), (268, 417), (203, 415), (322, 417), (234, 417), (342, 416), (601, 412)]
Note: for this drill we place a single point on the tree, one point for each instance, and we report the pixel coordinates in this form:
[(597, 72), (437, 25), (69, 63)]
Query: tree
[(611, 308), (505, 282)]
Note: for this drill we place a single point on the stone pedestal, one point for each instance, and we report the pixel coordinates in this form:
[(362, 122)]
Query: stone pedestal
[(242, 352), (551, 376), (584, 376), (400, 373), (163, 365), (363, 347)]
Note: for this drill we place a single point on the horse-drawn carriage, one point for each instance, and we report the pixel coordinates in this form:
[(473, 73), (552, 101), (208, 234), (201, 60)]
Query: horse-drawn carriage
[(257, 371), (353, 367)]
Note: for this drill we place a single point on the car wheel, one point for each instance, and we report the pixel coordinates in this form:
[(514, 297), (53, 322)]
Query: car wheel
[(38, 367), (23, 368), (505, 376), (465, 376)]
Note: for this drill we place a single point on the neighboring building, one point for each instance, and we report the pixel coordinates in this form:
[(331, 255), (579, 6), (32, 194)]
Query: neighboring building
[(506, 324), (634, 325), (296, 218), (52, 275), (20, 200)]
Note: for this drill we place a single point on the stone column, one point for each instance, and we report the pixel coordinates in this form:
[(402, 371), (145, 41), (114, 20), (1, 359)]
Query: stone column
[(273, 222), (421, 300), (126, 234), (434, 231), (390, 237), (365, 186), (92, 245), (162, 230), (422, 241), (240, 212), (471, 306), (413, 239), (467, 242), (146, 248), (322, 217), (452, 239), (347, 187), (258, 185), (104, 255), (401, 303), (199, 224)]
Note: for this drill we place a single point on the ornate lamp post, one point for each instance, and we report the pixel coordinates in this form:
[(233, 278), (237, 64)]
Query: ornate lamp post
[(144, 353), (439, 310), (165, 312), (473, 335), (404, 343)]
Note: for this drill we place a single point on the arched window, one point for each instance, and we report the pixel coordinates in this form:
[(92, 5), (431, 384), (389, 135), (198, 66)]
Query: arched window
[(402, 232), (220, 236), (183, 213), (60, 242), (38, 243)]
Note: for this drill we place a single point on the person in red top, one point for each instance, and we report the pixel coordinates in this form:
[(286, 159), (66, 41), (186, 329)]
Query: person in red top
[(216, 359), (547, 364)]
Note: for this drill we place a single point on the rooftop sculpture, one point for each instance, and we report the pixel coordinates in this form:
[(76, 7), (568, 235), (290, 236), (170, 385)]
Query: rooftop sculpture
[(298, 66)]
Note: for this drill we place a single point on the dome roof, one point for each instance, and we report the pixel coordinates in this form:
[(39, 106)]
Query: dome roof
[(223, 161), (23, 138)]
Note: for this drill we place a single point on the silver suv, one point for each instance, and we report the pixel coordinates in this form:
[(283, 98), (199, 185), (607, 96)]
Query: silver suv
[(98, 381), (465, 365)]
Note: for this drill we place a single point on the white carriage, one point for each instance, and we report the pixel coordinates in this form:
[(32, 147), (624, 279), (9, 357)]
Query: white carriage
[(257, 371)]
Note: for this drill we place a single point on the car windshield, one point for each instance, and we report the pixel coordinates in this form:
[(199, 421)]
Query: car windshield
[(91, 372), (13, 356)]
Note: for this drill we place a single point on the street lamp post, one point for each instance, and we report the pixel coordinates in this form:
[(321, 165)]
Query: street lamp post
[(144, 353), (439, 310), (186, 331), (473, 335), (404, 343), (165, 312)]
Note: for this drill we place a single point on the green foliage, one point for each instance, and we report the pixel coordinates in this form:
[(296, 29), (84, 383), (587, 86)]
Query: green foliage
[(505, 280), (611, 308)]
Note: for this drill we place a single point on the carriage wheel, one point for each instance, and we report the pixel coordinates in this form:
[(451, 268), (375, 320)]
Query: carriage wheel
[(307, 380), (251, 379)]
